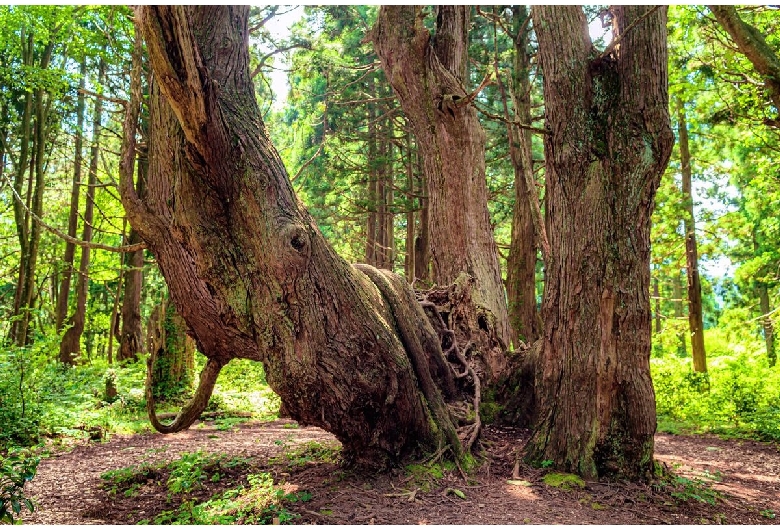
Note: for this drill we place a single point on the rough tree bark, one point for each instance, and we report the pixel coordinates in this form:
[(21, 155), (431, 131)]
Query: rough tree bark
[(428, 76), (610, 140), (249, 271), (695, 310)]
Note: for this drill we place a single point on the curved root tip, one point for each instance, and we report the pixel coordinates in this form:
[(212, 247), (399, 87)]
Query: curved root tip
[(190, 412)]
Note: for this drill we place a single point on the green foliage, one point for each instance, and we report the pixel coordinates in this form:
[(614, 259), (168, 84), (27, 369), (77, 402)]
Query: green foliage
[(310, 452), (427, 476), (742, 401), (16, 469), (260, 502), (127, 479), (190, 470), (690, 489)]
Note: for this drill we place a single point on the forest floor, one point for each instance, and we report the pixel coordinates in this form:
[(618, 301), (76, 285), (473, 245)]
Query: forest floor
[(716, 482)]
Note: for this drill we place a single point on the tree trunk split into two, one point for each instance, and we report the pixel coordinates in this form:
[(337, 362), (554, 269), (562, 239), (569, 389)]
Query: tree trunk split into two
[(246, 266), (609, 143)]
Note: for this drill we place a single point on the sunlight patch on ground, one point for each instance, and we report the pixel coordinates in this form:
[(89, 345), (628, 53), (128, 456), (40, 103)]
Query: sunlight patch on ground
[(521, 492)]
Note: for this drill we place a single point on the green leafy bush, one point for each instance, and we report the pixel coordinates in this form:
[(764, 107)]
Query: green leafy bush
[(261, 502), (743, 397), (16, 469)]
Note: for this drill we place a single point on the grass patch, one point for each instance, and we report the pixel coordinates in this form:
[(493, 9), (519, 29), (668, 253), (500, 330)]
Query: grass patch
[(258, 502)]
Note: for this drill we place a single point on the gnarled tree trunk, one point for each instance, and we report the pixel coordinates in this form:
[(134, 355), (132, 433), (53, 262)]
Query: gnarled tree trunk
[(610, 140), (246, 266), (428, 76)]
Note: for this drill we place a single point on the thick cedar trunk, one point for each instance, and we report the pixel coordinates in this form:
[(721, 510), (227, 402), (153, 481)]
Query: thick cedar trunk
[(695, 316), (766, 321), (521, 263), (609, 142), (427, 76), (73, 214), (246, 266), (71, 340), (130, 338)]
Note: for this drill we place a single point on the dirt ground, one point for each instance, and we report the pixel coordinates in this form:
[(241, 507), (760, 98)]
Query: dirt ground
[(746, 475)]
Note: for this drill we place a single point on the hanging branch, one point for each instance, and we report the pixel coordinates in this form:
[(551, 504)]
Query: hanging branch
[(78, 242)]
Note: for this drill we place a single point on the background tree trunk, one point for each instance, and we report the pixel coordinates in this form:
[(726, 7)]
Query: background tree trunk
[(766, 322), (521, 263), (695, 316), (246, 266), (73, 215), (428, 75), (609, 143), (172, 353), (71, 340), (130, 341)]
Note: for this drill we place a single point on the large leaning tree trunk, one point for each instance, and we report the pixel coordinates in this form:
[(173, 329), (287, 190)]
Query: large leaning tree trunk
[(610, 140), (428, 75), (249, 271)]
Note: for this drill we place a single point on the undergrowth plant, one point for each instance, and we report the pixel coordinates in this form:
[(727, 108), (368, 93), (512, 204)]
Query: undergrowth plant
[(16, 469), (258, 502), (740, 395)]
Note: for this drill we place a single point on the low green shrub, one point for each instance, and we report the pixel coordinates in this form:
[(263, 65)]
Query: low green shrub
[(16, 469)]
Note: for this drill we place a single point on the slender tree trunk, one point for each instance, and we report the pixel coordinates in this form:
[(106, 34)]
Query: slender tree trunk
[(345, 348), (766, 321), (22, 227), (422, 240), (409, 261), (427, 74), (387, 216), (36, 205), (521, 263), (373, 179), (608, 144), (657, 301), (695, 316), (677, 295), (130, 342), (70, 346), (73, 215)]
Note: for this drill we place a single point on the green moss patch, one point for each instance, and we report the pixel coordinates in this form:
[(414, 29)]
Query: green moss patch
[(564, 481)]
